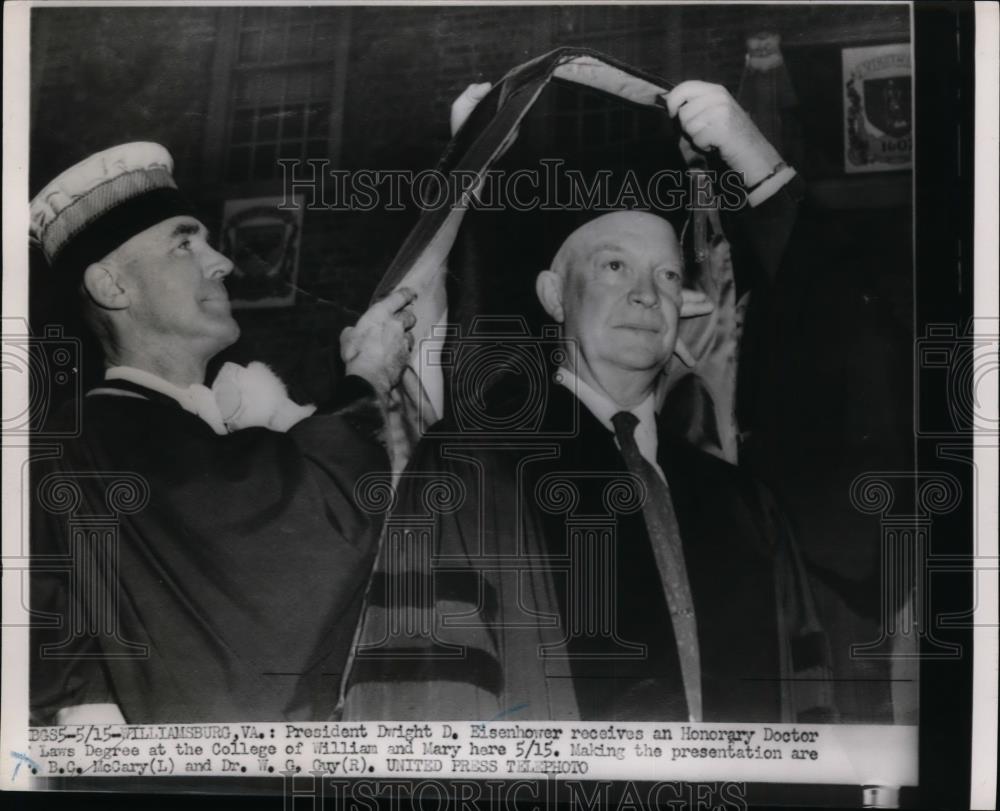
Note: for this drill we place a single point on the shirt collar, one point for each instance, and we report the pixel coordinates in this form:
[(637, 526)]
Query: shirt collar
[(196, 398), (603, 407), (148, 380)]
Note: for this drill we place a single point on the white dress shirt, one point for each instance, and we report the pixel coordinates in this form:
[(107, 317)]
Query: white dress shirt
[(604, 408), (770, 187)]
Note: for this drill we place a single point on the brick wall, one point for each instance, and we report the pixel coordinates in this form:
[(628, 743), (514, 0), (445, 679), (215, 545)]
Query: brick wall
[(102, 76)]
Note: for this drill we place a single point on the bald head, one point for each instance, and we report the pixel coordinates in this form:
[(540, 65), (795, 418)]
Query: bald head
[(630, 226)]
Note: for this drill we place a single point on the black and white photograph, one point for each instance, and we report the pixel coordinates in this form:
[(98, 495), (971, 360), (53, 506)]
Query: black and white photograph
[(506, 404)]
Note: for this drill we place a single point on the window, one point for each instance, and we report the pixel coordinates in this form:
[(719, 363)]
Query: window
[(278, 92), (586, 120)]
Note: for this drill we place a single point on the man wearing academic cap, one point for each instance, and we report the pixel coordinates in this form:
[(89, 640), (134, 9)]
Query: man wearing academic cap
[(593, 568), (198, 553)]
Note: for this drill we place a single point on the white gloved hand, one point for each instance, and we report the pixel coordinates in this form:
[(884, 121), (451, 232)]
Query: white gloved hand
[(712, 119), (378, 347), (464, 104)]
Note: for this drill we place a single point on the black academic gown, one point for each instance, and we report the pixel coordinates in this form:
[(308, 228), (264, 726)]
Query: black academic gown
[(193, 577), (499, 631), (477, 627), (730, 563)]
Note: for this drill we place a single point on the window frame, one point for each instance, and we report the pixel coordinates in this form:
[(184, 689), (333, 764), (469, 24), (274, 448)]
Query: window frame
[(226, 69)]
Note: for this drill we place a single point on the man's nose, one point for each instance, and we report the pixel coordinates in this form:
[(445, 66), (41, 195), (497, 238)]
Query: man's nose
[(216, 265), (644, 291)]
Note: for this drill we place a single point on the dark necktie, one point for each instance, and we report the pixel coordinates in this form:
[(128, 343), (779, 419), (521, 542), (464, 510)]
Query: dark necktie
[(665, 536)]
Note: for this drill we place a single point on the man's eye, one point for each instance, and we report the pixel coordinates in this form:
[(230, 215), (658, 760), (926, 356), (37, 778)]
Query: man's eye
[(614, 265), (672, 276), (185, 245)]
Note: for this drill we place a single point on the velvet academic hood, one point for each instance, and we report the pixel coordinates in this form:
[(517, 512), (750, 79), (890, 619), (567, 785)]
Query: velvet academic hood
[(472, 267), (493, 125)]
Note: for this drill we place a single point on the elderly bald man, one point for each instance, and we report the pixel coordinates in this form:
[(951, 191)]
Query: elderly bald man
[(596, 569)]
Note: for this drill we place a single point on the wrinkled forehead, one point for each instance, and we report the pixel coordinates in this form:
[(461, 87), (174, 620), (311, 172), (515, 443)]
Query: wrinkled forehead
[(633, 232)]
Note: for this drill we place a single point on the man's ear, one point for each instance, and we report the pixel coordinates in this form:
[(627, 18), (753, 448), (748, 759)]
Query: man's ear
[(549, 289), (103, 285)]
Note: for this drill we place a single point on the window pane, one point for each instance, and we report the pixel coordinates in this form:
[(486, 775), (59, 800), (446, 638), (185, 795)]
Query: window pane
[(243, 126), (299, 37), (264, 161), (291, 150), (281, 108), (293, 122), (319, 120), (239, 164), (249, 46), (270, 87), (297, 86), (267, 123), (273, 45), (247, 89), (322, 84)]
